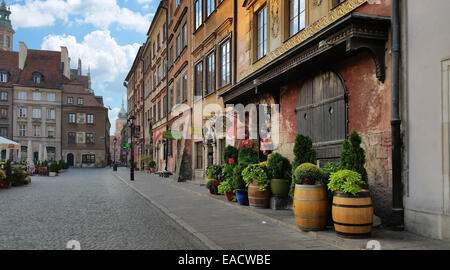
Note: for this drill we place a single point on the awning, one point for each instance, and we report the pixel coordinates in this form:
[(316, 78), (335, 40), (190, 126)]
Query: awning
[(8, 144)]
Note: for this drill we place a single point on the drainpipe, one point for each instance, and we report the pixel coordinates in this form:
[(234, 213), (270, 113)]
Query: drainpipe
[(166, 145), (397, 194)]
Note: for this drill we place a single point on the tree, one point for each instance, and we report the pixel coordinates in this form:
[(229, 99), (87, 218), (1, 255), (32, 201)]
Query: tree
[(353, 156)]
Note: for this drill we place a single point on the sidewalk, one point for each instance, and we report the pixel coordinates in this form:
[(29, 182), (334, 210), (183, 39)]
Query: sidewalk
[(225, 225)]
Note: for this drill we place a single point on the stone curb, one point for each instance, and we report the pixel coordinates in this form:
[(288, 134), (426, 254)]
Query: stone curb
[(203, 238)]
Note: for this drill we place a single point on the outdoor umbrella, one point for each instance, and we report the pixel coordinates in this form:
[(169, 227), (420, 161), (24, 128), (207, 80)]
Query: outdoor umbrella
[(40, 152), (45, 153), (30, 154)]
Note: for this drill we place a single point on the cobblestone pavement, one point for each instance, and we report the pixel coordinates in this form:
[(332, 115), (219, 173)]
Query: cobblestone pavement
[(90, 206)]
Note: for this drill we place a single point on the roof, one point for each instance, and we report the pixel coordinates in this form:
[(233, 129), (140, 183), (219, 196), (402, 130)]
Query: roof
[(10, 63), (47, 63)]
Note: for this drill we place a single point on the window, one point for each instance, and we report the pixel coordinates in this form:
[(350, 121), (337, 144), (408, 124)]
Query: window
[(171, 56), (184, 37), (36, 131), (8, 41), (70, 100), (51, 114), (178, 97), (80, 138), (177, 3), (4, 96), (22, 95), (158, 41), (199, 155), (51, 96), (160, 76), (81, 118), (185, 79), (71, 138), (159, 110), (262, 33), (199, 79), (72, 118), (51, 153), (22, 130), (88, 158), (210, 73), (36, 96), (198, 14), (336, 3), (3, 77), (22, 112), (51, 132), (165, 105), (90, 119), (170, 148), (178, 45), (225, 64), (297, 16), (36, 113), (4, 132), (89, 138), (1, 39), (80, 101), (170, 98), (210, 6), (37, 78), (4, 112)]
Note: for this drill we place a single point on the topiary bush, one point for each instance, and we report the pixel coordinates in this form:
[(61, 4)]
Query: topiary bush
[(54, 167), (237, 181), (353, 157), (305, 174), (279, 167), (230, 152), (346, 181), (248, 156), (303, 151)]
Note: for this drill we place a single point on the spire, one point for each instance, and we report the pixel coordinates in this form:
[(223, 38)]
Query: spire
[(79, 72), (5, 25), (122, 113)]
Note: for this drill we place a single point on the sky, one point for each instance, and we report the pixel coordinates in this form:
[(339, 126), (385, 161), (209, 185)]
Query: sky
[(104, 34)]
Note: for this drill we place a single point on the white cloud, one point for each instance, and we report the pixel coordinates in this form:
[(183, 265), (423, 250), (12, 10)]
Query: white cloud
[(100, 13), (100, 51)]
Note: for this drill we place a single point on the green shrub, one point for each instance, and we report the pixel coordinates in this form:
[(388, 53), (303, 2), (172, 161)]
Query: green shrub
[(54, 167), (213, 171), (248, 156), (237, 181), (346, 181), (353, 156), (8, 170), (230, 152), (18, 177), (224, 188), (226, 172), (279, 167), (305, 174), (255, 172), (303, 151), (152, 164), (209, 184)]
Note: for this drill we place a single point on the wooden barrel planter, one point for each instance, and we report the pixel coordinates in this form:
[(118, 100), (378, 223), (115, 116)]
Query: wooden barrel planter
[(310, 207), (256, 198), (352, 215)]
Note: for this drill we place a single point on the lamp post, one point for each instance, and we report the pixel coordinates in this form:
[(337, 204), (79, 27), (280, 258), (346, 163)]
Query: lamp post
[(115, 165), (130, 120)]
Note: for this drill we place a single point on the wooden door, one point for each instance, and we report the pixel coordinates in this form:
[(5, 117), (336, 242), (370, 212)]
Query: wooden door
[(322, 114)]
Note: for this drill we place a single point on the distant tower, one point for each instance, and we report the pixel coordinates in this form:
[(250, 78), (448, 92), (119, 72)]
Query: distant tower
[(6, 30), (121, 119)]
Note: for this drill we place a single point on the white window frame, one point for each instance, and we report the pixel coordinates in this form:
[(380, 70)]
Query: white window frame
[(37, 113)]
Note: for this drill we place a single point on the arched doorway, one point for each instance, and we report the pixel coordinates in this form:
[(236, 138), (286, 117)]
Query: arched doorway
[(322, 114), (70, 159)]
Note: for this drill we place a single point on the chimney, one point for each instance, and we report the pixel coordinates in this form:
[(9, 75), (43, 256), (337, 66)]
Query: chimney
[(79, 72), (66, 62), (23, 51)]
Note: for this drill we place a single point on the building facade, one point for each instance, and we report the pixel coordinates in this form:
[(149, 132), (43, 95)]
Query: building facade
[(85, 125), (425, 83), (6, 30), (212, 73)]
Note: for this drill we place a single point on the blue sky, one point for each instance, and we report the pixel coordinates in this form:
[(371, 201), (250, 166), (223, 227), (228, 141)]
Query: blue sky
[(105, 34)]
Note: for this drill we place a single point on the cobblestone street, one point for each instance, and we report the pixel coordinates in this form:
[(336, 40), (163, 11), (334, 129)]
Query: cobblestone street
[(90, 206)]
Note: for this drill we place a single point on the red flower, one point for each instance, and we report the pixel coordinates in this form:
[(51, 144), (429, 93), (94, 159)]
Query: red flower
[(230, 161)]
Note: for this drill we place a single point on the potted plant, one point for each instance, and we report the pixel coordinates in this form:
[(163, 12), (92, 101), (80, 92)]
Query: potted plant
[(258, 185), (303, 153), (355, 221), (152, 166), (3, 184), (225, 188), (212, 185), (213, 171), (279, 169), (310, 198), (230, 153), (353, 156), (53, 169), (239, 185), (327, 170)]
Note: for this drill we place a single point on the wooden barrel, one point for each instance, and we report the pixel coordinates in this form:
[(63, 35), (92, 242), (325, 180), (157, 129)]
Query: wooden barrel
[(256, 198), (310, 207), (353, 215)]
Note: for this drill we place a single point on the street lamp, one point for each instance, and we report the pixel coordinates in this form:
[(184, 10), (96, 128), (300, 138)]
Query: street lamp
[(130, 120), (115, 165)]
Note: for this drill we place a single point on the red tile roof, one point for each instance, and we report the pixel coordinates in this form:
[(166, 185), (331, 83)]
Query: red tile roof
[(48, 63), (9, 61)]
